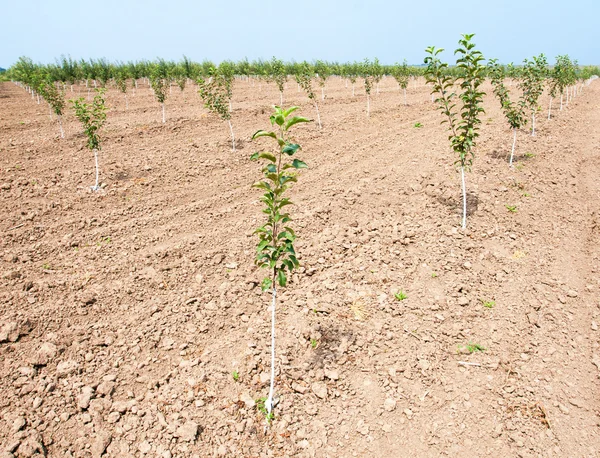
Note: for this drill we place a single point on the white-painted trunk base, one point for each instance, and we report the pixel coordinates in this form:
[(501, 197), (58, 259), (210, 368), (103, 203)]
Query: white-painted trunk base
[(464, 196), (512, 153), (269, 402)]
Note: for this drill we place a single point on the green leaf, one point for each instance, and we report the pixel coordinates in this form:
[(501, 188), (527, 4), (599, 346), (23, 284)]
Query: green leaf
[(295, 120), (281, 278), (297, 164), (290, 149), (263, 133), (266, 284), (289, 111), (262, 245), (266, 155), (262, 185)]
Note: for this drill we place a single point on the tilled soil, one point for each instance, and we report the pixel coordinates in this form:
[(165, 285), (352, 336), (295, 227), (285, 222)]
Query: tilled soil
[(127, 312)]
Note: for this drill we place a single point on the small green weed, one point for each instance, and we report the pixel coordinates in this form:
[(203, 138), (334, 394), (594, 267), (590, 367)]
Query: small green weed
[(314, 343), (400, 295), (235, 375), (418, 125), (511, 208), (260, 405), (434, 274), (488, 304), (529, 155), (474, 347)]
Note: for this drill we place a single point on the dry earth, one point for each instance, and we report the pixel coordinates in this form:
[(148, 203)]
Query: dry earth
[(124, 313)]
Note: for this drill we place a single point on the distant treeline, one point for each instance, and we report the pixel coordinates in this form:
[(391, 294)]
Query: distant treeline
[(67, 70)]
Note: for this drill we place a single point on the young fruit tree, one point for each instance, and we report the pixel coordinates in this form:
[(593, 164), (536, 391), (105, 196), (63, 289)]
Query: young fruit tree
[(279, 75), (367, 72), (561, 75), (159, 80), (121, 82), (216, 93), (323, 71), (275, 250), (463, 124), (401, 74), (92, 116), (514, 112), (304, 79), (532, 83), (377, 73), (56, 99)]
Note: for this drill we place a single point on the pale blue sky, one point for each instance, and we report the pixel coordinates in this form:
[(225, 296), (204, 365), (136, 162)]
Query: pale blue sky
[(509, 30)]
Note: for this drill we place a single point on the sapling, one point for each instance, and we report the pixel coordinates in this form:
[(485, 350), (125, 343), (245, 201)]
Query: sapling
[(322, 70), (367, 74), (401, 74), (275, 250), (56, 99), (514, 112), (92, 116), (304, 79), (121, 82), (279, 75), (463, 132), (532, 83), (159, 80), (216, 94), (377, 72)]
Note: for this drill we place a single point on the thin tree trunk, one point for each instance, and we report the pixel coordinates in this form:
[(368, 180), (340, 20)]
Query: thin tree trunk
[(405, 97), (533, 124), (353, 92), (464, 196), (513, 147), (322, 92), (97, 185), (368, 106), (561, 101), (269, 401), (163, 112), (126, 103), (318, 115), (232, 137), (62, 132), (281, 98), (550, 108)]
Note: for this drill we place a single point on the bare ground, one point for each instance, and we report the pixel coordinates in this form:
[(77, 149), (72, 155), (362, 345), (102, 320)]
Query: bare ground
[(126, 312)]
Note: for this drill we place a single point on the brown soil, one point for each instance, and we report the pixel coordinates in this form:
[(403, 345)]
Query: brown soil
[(125, 312)]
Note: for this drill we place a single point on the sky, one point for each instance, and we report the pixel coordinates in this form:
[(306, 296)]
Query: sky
[(123, 30)]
